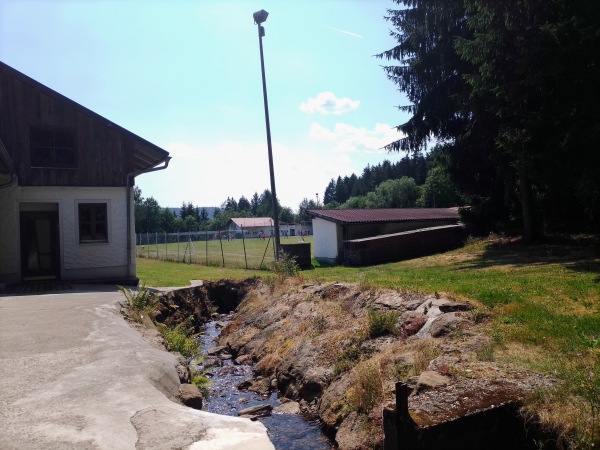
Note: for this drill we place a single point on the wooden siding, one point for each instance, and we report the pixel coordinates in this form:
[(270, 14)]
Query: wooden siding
[(105, 151), (399, 246)]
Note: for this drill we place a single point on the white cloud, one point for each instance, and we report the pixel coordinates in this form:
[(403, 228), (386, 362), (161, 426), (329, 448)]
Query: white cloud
[(207, 173), (328, 103), (346, 138)]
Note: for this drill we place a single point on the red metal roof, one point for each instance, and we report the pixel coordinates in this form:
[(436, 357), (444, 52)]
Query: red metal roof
[(385, 215), (250, 222)]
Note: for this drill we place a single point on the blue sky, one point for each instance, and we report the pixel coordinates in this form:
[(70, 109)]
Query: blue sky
[(185, 75)]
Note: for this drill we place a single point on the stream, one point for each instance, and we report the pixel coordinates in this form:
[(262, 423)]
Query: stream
[(286, 431)]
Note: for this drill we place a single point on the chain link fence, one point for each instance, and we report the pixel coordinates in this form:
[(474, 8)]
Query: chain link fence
[(236, 249)]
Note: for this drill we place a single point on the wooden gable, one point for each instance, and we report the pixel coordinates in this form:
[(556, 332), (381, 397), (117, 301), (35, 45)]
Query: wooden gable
[(54, 141)]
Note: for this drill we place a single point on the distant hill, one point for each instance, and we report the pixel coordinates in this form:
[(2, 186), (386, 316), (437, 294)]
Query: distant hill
[(209, 209)]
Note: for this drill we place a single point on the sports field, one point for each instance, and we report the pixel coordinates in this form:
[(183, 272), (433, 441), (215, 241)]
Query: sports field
[(251, 253)]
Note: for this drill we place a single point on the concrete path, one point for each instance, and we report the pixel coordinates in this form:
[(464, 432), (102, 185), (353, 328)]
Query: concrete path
[(74, 375)]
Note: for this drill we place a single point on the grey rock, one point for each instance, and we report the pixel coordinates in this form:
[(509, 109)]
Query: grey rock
[(430, 379), (215, 350), (183, 373), (243, 359), (288, 408), (253, 412), (446, 323)]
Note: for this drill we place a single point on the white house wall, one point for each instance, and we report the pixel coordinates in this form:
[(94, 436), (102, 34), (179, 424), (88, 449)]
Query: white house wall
[(78, 261), (327, 240)]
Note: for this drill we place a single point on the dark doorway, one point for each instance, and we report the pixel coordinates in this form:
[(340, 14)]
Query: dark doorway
[(39, 245)]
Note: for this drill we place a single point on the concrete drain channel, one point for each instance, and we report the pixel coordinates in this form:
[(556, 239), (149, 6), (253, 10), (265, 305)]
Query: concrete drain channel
[(286, 430)]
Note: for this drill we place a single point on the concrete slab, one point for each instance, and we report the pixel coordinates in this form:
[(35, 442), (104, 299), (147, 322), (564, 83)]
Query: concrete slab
[(74, 375)]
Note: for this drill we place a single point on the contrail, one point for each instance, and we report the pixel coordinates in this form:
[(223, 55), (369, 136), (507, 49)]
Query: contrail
[(346, 32)]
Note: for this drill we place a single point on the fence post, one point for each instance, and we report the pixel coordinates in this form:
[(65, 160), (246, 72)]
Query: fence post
[(244, 244), (178, 246), (222, 254), (206, 245), (148, 244)]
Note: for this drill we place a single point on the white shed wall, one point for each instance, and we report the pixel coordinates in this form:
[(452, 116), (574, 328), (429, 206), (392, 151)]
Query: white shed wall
[(327, 240)]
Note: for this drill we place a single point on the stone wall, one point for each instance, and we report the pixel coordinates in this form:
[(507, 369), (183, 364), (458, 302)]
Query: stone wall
[(398, 246)]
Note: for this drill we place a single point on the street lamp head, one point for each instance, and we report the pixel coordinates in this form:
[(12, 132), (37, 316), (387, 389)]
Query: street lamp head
[(260, 16)]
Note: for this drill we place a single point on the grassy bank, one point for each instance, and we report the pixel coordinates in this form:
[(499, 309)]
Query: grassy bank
[(546, 295), (543, 305)]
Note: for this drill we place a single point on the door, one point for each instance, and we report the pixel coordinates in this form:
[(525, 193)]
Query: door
[(39, 245)]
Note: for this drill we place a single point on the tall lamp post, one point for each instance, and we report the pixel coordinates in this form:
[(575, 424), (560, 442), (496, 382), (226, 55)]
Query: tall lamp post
[(259, 18)]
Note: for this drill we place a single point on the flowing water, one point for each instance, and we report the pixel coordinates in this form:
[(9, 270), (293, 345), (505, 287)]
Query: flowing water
[(286, 431)]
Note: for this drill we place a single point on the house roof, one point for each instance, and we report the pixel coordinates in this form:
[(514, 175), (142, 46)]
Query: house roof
[(355, 216), (250, 222), (146, 155)]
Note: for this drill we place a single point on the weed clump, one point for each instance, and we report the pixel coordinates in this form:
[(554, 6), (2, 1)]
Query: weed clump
[(346, 360), (368, 388), (286, 266), (202, 382), (139, 300), (181, 339), (382, 323)]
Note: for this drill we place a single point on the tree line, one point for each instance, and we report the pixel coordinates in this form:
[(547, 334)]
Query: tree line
[(411, 182), (150, 217), (509, 89), (417, 181)]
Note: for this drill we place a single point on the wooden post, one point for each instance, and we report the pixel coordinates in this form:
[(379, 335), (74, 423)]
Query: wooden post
[(404, 423), (244, 244), (222, 254)]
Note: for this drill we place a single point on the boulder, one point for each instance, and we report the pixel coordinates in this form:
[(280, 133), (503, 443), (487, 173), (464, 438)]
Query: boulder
[(446, 323), (411, 322), (190, 395)]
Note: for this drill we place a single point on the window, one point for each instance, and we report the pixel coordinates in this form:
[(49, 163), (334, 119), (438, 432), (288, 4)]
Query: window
[(53, 147), (93, 222)]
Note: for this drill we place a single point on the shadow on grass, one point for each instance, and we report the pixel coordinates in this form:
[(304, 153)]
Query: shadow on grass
[(579, 254)]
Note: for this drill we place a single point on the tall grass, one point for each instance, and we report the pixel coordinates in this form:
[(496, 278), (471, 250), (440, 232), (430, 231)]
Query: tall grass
[(368, 387)]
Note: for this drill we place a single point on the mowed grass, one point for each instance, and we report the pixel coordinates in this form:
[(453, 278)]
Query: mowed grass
[(159, 273), (541, 304)]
